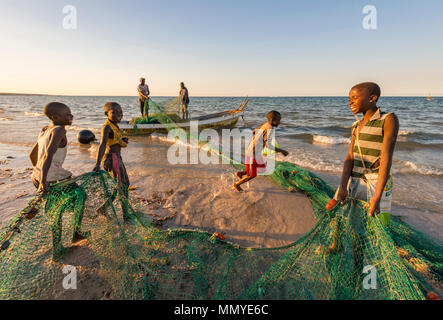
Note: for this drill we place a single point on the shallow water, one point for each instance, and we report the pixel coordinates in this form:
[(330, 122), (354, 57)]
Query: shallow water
[(315, 130)]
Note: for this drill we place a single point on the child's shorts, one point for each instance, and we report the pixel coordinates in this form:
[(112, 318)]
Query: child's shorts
[(386, 196), (371, 184), (252, 165), (113, 163)]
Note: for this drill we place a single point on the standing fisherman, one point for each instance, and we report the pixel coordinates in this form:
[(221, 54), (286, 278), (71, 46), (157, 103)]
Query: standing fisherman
[(184, 100), (143, 96)]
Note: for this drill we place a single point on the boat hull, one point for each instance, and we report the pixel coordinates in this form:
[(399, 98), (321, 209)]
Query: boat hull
[(227, 121)]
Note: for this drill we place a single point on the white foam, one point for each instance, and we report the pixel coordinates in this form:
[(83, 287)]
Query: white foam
[(317, 162), (411, 167), (308, 160), (405, 132), (332, 140), (34, 114)]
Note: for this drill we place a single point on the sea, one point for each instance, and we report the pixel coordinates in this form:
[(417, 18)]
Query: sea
[(315, 130)]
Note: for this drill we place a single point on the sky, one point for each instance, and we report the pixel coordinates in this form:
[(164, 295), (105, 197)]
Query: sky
[(221, 47)]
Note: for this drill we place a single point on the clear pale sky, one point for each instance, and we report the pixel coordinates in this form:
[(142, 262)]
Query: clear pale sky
[(221, 47)]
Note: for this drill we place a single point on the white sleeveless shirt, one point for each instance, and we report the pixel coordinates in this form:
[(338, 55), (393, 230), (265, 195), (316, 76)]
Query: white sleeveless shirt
[(56, 171)]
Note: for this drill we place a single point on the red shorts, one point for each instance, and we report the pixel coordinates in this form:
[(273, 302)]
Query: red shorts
[(251, 166)]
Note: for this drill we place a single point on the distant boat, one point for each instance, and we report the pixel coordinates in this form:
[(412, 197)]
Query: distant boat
[(429, 98)]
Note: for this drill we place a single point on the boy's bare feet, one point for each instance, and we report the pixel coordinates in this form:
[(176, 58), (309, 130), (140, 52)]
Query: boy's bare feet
[(237, 187), (239, 175)]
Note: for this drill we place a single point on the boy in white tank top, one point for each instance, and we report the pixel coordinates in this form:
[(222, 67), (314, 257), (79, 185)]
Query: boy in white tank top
[(47, 157), (49, 152)]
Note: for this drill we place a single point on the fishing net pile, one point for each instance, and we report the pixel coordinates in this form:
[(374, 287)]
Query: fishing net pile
[(140, 261), (154, 113)]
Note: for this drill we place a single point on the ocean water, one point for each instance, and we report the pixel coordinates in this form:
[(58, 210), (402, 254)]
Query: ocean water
[(315, 130)]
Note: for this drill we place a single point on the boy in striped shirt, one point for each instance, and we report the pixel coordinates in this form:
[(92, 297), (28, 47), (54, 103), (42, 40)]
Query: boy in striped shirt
[(370, 153)]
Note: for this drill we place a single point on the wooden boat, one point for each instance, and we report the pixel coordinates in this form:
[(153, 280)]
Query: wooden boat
[(224, 119)]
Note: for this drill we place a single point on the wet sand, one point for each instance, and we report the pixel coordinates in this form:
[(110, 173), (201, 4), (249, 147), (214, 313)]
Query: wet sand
[(264, 215), (91, 283)]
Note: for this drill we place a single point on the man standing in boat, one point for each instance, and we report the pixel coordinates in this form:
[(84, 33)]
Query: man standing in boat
[(184, 100), (143, 96)]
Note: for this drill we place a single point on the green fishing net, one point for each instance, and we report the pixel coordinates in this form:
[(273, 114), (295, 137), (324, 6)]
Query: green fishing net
[(170, 107), (140, 261)]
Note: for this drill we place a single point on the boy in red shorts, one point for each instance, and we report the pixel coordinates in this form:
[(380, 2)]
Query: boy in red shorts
[(254, 151)]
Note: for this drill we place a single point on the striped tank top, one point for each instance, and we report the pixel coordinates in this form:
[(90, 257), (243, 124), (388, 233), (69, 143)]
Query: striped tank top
[(370, 140)]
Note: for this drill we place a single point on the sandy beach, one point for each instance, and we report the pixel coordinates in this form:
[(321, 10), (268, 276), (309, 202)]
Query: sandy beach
[(195, 197), (265, 215)]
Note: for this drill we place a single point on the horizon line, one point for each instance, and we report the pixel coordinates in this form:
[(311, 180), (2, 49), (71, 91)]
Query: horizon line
[(215, 96)]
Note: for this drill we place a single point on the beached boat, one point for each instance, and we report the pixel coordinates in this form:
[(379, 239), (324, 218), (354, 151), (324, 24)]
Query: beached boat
[(224, 119)]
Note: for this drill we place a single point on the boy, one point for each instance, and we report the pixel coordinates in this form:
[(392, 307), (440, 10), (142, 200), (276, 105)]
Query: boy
[(49, 152), (47, 157), (254, 151), (111, 142), (370, 154)]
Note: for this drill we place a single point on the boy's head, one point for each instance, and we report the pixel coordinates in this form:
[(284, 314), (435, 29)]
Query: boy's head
[(113, 111), (182, 85), (364, 96), (274, 118), (59, 113), (142, 80)]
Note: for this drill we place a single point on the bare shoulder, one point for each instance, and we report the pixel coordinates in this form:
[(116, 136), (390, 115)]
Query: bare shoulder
[(107, 131), (391, 116), (59, 130), (106, 128), (391, 121)]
